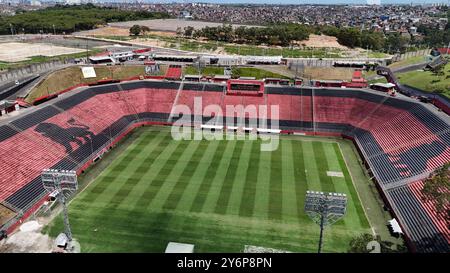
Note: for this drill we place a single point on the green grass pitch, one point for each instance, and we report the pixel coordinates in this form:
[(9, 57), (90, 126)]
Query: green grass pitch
[(218, 195)]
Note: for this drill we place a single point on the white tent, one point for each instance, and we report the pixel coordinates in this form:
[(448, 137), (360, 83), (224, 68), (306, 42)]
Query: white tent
[(231, 128), (263, 130), (395, 226)]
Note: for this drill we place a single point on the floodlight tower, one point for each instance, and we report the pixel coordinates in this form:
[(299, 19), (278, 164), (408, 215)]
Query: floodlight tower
[(65, 183), (325, 208)]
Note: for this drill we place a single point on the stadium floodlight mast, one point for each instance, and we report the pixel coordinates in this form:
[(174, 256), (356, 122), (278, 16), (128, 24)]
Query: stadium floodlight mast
[(65, 183), (325, 208)]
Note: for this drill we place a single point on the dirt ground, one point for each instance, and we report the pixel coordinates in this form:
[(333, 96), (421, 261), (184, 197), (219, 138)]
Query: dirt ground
[(119, 31), (16, 52), (27, 240), (150, 42), (328, 73), (322, 41), (5, 214)]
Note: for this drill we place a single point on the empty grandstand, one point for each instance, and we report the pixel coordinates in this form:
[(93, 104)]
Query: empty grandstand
[(401, 140), (174, 72)]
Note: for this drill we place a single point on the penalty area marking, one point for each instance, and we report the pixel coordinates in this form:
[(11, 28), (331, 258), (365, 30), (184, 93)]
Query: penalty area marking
[(335, 174)]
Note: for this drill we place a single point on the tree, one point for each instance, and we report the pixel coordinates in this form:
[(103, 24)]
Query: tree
[(362, 244), (329, 30), (188, 31), (197, 34), (359, 244), (372, 40), (135, 30), (396, 43), (350, 37), (436, 189), (179, 32), (280, 34), (145, 29), (69, 18)]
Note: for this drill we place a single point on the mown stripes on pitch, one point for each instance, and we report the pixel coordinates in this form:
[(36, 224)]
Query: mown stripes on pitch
[(98, 187), (154, 185), (227, 185), (179, 187), (301, 184), (199, 175), (248, 196), (322, 167), (203, 190), (276, 189), (218, 195)]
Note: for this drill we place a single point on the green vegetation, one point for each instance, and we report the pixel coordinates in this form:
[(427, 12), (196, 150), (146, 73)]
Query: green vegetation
[(437, 190), (43, 59), (236, 72), (219, 195), (138, 30), (379, 80), (254, 72), (367, 243), (190, 45), (135, 30), (391, 43), (69, 18), (118, 38), (375, 54), (368, 193), (285, 52), (253, 50), (434, 36), (402, 63), (428, 81), (207, 71), (408, 61), (65, 78), (290, 34), (287, 34), (279, 34)]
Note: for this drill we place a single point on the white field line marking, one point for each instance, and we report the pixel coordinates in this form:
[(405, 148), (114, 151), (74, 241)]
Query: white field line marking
[(356, 189)]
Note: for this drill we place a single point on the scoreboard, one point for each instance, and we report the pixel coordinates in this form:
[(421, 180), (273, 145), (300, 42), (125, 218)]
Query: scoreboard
[(245, 87)]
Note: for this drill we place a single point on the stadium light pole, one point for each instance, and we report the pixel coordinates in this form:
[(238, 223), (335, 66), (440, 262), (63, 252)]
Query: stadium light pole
[(325, 208), (321, 234), (65, 183), (87, 50)]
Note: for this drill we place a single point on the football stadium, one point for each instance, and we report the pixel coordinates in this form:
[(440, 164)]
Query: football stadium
[(142, 188)]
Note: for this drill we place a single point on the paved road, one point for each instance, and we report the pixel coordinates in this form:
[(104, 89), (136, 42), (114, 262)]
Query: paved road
[(5, 87), (24, 90), (402, 69)]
